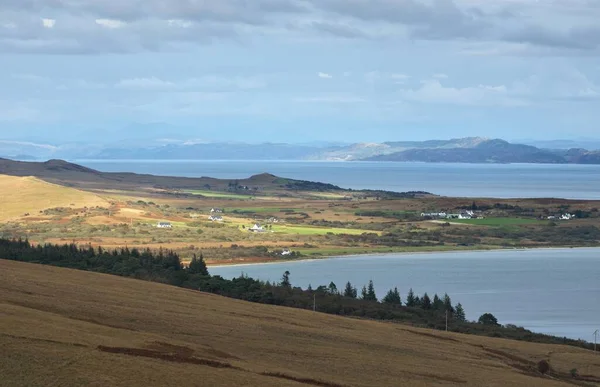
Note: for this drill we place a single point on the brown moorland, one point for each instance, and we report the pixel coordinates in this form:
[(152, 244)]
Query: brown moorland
[(30, 195), (72, 328)]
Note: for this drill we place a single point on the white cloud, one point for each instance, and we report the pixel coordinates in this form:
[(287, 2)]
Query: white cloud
[(440, 76), (48, 23), (331, 99), (31, 144), (324, 75), (30, 78), (179, 23), (110, 23), (151, 83), (210, 83), (432, 91)]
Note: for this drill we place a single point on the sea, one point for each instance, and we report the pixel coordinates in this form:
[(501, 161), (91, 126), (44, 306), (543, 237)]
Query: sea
[(554, 291), (465, 180)]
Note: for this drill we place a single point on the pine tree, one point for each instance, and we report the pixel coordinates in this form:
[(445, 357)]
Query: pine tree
[(371, 292), (310, 289), (438, 304), (350, 291), (198, 266), (426, 302), (285, 280), (448, 303), (411, 301), (332, 288), (363, 294), (459, 315), (392, 297)]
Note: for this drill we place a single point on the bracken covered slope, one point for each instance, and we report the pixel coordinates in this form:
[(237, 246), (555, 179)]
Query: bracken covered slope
[(61, 327)]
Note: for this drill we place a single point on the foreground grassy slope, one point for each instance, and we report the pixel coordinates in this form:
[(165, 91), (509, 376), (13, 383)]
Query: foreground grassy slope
[(22, 195), (70, 328)]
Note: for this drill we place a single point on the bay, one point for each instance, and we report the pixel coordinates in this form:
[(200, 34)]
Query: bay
[(553, 291), (460, 180)]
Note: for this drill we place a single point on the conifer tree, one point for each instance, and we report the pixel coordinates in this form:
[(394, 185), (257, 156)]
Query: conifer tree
[(371, 292), (448, 303), (332, 288), (459, 315), (363, 294), (350, 291), (426, 302), (438, 304), (411, 301), (198, 266), (285, 280), (392, 297)]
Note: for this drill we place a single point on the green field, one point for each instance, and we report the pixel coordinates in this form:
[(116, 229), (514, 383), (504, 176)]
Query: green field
[(253, 210), (220, 195), (308, 230), (496, 221)]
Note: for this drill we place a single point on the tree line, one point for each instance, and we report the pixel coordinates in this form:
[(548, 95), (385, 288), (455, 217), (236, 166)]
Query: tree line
[(166, 267)]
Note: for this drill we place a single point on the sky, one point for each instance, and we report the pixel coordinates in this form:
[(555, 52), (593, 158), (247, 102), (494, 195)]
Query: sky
[(298, 70)]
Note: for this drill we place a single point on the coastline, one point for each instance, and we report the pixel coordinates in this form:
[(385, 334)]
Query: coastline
[(401, 253)]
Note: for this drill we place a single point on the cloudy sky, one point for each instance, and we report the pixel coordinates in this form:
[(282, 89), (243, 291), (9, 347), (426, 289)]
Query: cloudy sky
[(299, 70)]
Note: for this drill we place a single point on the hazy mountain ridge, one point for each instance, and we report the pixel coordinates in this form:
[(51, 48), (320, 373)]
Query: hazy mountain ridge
[(463, 150), (488, 151)]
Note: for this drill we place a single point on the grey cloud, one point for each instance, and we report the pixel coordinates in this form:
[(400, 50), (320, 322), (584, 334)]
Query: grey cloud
[(442, 19), (241, 11), (341, 30), (156, 25), (584, 38)]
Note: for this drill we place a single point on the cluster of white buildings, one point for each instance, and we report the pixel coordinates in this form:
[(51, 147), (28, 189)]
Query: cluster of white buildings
[(562, 217), (443, 215)]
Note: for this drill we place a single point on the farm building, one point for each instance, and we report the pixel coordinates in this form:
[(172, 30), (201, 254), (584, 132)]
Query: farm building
[(164, 225), (256, 228)]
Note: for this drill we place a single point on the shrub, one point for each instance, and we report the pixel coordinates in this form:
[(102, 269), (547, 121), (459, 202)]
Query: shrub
[(574, 373), (543, 366)]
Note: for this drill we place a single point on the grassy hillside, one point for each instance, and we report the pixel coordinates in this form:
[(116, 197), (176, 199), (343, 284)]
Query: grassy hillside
[(71, 328), (21, 195)]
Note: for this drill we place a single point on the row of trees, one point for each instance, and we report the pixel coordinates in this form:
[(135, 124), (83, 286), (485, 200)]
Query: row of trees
[(392, 297), (166, 267)]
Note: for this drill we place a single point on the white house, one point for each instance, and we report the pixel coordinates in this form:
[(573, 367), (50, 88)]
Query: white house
[(433, 214), (567, 217), (286, 252), (164, 225), (256, 228), (217, 210), (215, 218)]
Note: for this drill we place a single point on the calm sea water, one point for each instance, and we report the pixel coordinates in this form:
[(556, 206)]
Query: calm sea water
[(548, 291), (465, 180)]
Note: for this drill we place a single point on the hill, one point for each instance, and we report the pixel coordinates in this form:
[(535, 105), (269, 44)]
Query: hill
[(69, 174), (22, 195), (71, 328), (487, 151)]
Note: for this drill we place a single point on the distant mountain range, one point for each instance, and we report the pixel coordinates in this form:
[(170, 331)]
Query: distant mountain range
[(461, 150)]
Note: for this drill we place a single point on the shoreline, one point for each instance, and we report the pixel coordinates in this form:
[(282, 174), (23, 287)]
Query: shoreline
[(405, 253)]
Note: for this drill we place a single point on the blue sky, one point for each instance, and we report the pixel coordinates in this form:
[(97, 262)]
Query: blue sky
[(298, 70)]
